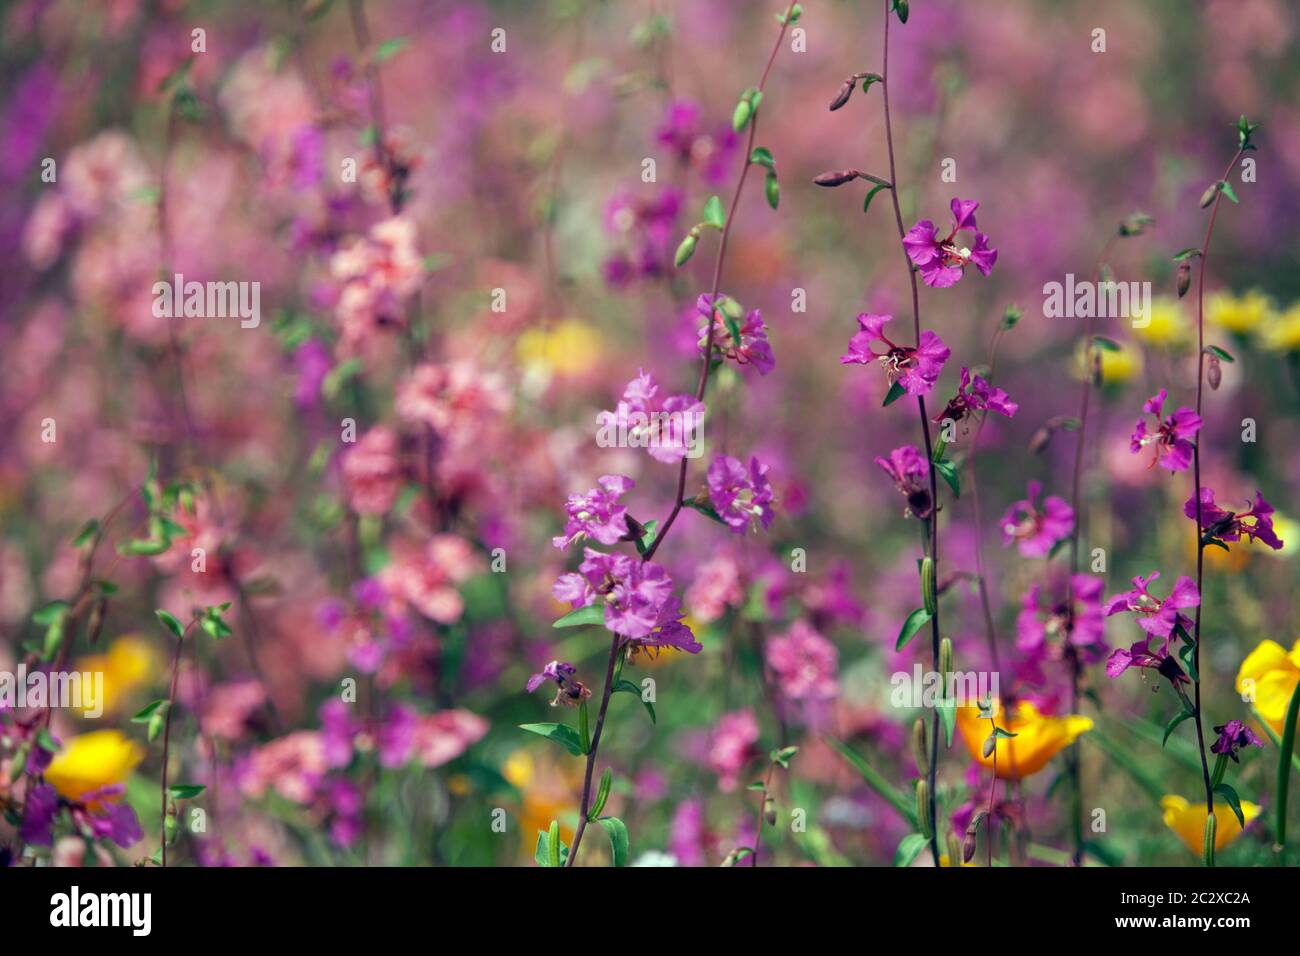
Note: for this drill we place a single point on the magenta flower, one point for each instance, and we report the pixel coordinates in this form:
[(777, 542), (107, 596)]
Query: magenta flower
[(1232, 737), (1140, 655), (742, 498), (568, 690), (1219, 525), (746, 345), (669, 428), (1077, 622), (804, 663), (974, 394), (941, 261), (39, 812), (637, 596), (915, 369), (911, 474), (597, 514), (1172, 437), (1037, 532), (1157, 617)]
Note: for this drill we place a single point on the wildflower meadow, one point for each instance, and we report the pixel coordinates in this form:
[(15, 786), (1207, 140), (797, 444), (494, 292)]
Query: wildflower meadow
[(648, 433)]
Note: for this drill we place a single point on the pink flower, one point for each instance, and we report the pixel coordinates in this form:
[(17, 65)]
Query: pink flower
[(804, 663), (716, 587), (941, 261), (372, 474), (741, 498), (454, 399), (1220, 525), (1157, 617), (428, 578), (668, 428), (915, 369), (1078, 623), (637, 596), (1037, 532), (597, 514), (375, 275), (976, 395), (1172, 437), (911, 474), (731, 746), (746, 345)]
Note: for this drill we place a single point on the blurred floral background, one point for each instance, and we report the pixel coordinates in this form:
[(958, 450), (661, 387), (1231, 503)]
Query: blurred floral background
[(463, 258)]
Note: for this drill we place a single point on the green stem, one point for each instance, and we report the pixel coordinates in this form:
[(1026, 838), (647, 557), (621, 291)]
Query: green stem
[(1284, 757)]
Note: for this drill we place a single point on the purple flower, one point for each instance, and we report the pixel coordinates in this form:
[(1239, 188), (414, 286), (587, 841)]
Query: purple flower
[(1172, 436), (941, 261), (1077, 622), (741, 498), (975, 394), (597, 514), (1140, 655), (668, 428), (1219, 525), (1232, 736), (568, 690), (915, 369), (38, 815), (1037, 532), (911, 474), (1158, 618), (637, 595), (747, 344)]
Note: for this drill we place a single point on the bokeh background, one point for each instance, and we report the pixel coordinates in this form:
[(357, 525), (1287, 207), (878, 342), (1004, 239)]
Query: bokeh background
[(522, 171)]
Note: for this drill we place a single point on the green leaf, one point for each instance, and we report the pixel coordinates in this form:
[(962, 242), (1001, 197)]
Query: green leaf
[(185, 791), (948, 717), (783, 756), (390, 48), (644, 542), (618, 841), (915, 621), (562, 734), (896, 391), (170, 622), (551, 851), (905, 806), (704, 508), (583, 617), (714, 214), (1173, 724), (51, 613), (871, 194), (1224, 790), (908, 850), (625, 686), (142, 548), (762, 156), (45, 740), (584, 727), (1228, 191), (87, 532), (1106, 345), (1221, 353), (144, 716), (772, 189), (602, 794), (948, 472), (1187, 253)]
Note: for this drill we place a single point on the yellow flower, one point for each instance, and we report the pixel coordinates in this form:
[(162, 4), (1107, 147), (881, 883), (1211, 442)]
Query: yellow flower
[(569, 348), (1169, 324), (1038, 739), (1187, 820), (1268, 677), (548, 792), (1283, 333), (88, 762), (1239, 314), (1116, 367), (129, 664)]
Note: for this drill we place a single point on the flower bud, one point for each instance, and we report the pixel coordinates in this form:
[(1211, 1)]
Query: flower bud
[(685, 250), (1211, 825), (928, 594), (843, 95), (729, 859), (769, 811), (773, 190), (990, 744), (971, 839), (1214, 372), (95, 624), (837, 177), (1184, 277), (1207, 197), (740, 118), (920, 747), (170, 827), (945, 657), (925, 822), (955, 850)]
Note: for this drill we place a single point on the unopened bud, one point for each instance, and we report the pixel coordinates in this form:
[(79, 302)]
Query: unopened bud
[(837, 177), (955, 850), (157, 721), (990, 744), (945, 657), (1207, 197), (729, 859), (1184, 277), (928, 594), (740, 118), (170, 827), (1211, 824), (769, 811), (95, 624), (1042, 438), (1214, 372), (920, 747), (925, 822), (843, 95), (971, 838), (685, 250)]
